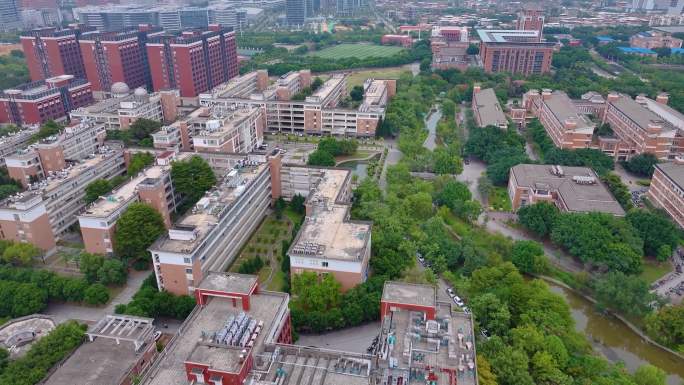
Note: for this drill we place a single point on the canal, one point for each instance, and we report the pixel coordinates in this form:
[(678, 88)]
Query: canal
[(615, 341), (359, 167)]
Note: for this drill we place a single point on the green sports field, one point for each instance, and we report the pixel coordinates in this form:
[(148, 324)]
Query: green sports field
[(361, 51)]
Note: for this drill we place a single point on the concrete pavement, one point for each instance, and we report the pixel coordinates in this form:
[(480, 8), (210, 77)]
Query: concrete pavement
[(355, 339)]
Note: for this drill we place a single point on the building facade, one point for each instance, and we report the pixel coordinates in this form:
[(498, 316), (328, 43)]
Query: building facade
[(194, 62), (116, 57), (43, 100), (210, 236), (328, 242), (122, 110), (152, 186), (567, 126), (515, 51), (51, 52), (571, 189), (531, 19), (654, 39), (667, 189), (41, 215), (317, 114)]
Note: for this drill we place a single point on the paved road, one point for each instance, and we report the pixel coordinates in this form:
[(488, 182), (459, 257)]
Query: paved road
[(431, 125), (628, 179), (495, 224), (62, 312), (471, 172), (393, 157)]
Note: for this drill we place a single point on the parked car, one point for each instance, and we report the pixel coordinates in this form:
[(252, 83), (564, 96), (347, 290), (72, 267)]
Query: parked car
[(157, 335), (450, 291), (465, 309)]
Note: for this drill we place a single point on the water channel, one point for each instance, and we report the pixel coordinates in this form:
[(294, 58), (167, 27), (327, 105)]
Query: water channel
[(359, 167), (615, 341)]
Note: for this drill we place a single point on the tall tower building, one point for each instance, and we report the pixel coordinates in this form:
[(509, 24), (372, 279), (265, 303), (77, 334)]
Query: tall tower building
[(193, 62), (116, 57), (51, 52), (9, 15), (297, 11), (531, 19)]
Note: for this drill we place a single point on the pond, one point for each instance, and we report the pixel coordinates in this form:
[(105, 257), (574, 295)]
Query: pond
[(358, 167), (615, 341)]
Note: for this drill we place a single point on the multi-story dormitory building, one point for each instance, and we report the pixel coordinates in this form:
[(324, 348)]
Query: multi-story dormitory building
[(43, 100), (221, 128), (152, 186), (12, 141), (125, 107), (639, 125), (50, 206), (317, 114), (52, 154), (209, 237)]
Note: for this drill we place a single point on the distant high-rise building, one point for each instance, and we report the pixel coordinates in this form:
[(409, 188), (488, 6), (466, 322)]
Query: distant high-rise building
[(170, 18), (531, 19), (51, 52), (515, 51), (194, 62), (9, 15), (297, 11), (116, 57)]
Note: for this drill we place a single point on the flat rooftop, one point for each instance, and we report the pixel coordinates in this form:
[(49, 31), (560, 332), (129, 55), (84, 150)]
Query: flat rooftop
[(326, 231), (237, 283), (101, 362), (674, 171), (329, 86), (221, 123), (74, 170), (205, 215), (508, 36), (409, 294), (489, 109), (427, 348), (121, 197), (194, 341), (578, 197)]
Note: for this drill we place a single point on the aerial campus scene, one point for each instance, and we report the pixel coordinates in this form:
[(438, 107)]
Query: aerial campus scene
[(314, 192)]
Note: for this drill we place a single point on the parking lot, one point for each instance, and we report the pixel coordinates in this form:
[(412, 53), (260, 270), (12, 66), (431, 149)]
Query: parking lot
[(671, 286)]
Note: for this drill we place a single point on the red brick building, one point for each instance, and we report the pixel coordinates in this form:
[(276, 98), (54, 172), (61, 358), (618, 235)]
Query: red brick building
[(115, 57), (531, 19), (51, 52), (50, 99), (194, 62), (515, 51), (402, 40)]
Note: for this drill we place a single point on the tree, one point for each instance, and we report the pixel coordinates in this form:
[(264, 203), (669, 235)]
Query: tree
[(316, 84), (192, 178), (356, 93), (625, 293), (48, 129), (96, 294), (491, 313), (279, 206), (137, 228), (139, 161), (660, 235), (97, 189), (528, 257), (667, 325), (650, 375), (321, 158), (538, 218), (28, 299), (21, 254), (297, 204), (142, 128), (485, 376), (90, 264), (420, 205), (112, 272), (446, 162), (618, 189), (473, 49)]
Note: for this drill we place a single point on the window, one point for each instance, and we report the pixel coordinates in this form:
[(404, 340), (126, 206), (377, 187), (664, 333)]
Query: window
[(186, 260), (188, 271), (324, 264)]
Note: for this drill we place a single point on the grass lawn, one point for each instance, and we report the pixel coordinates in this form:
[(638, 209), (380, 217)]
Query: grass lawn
[(361, 51), (498, 199), (654, 269), (358, 77)]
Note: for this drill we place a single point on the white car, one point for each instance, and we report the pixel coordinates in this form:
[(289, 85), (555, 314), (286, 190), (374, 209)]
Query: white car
[(465, 309), (457, 299), (450, 291)]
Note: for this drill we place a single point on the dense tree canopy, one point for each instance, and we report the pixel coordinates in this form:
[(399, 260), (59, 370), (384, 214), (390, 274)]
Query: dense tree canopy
[(667, 326), (139, 161), (321, 158), (624, 293), (96, 189), (538, 217), (642, 164), (137, 228), (192, 178), (659, 234), (150, 302)]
